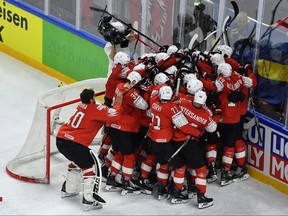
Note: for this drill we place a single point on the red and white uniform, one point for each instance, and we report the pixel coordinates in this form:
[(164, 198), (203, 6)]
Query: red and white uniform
[(164, 117), (132, 105), (231, 112), (87, 120)]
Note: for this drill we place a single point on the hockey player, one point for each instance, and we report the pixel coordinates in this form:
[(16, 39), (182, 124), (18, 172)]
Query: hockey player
[(229, 85), (165, 115), (200, 117), (73, 140), (123, 134)]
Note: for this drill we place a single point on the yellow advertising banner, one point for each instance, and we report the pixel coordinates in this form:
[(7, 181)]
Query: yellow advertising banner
[(21, 31)]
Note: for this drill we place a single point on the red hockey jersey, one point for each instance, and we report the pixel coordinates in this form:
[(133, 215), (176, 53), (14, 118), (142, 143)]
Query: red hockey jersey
[(131, 116), (86, 121)]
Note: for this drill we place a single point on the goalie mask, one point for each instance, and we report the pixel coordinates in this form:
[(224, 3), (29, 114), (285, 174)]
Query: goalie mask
[(200, 97), (225, 50), (160, 78), (224, 69), (194, 86), (165, 93), (121, 58)]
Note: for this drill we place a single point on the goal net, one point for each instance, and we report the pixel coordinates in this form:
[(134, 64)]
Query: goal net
[(53, 108)]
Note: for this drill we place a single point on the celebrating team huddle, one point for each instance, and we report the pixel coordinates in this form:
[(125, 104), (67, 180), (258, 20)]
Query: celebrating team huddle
[(178, 122)]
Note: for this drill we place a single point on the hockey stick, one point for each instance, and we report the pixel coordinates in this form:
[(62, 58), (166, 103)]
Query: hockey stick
[(192, 41), (236, 12), (205, 39), (135, 26), (225, 36), (256, 120), (180, 148), (128, 25), (98, 177)]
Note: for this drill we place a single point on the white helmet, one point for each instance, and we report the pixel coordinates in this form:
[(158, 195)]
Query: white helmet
[(171, 50), (224, 69), (200, 97), (134, 76), (121, 58), (188, 77), (160, 78), (119, 26), (217, 59), (194, 86), (165, 93), (161, 57), (139, 67), (225, 50), (171, 70)]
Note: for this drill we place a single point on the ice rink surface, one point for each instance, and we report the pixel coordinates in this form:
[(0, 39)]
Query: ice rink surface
[(20, 87)]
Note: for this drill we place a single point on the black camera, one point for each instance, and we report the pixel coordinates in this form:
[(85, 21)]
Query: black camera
[(112, 34)]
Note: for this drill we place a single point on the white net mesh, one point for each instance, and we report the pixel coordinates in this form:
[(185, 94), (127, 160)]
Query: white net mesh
[(31, 162)]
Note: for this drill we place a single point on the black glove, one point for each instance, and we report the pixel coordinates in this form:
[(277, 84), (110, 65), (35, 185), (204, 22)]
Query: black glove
[(212, 99), (236, 96)]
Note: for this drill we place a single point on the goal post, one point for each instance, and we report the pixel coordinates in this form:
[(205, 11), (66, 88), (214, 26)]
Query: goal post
[(54, 107)]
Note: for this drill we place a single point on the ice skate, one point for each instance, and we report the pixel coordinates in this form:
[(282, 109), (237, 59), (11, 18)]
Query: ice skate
[(145, 186), (105, 172), (64, 193), (178, 196), (226, 178), (212, 174), (162, 191), (87, 206), (240, 174), (112, 185), (192, 191), (204, 202), (129, 188)]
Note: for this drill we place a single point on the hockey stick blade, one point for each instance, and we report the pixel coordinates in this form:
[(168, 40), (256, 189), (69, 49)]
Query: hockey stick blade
[(98, 9), (192, 41)]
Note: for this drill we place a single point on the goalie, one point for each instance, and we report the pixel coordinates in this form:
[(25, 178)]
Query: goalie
[(73, 140)]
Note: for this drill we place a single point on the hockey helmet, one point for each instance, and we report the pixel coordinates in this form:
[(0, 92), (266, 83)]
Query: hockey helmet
[(225, 50), (194, 86), (121, 58), (160, 57), (134, 76), (160, 78), (200, 97), (224, 69), (187, 77), (165, 93), (217, 59), (171, 50), (172, 70)]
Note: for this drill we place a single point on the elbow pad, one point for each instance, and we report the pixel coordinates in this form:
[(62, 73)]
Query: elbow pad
[(179, 120), (140, 103)]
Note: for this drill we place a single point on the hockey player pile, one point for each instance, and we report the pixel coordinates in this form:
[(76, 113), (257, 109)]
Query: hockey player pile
[(171, 99), (180, 127)]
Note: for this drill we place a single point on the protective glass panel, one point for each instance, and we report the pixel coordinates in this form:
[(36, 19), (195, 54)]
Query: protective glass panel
[(64, 10)]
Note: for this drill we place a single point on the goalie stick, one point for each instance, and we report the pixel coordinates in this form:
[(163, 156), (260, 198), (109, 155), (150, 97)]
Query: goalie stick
[(236, 12), (128, 25), (98, 177)]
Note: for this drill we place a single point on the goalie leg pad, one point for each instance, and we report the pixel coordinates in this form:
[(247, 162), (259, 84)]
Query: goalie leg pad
[(72, 185)]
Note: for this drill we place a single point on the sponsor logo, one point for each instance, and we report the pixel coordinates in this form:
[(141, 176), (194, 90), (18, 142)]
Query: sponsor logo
[(255, 149), (279, 157)]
